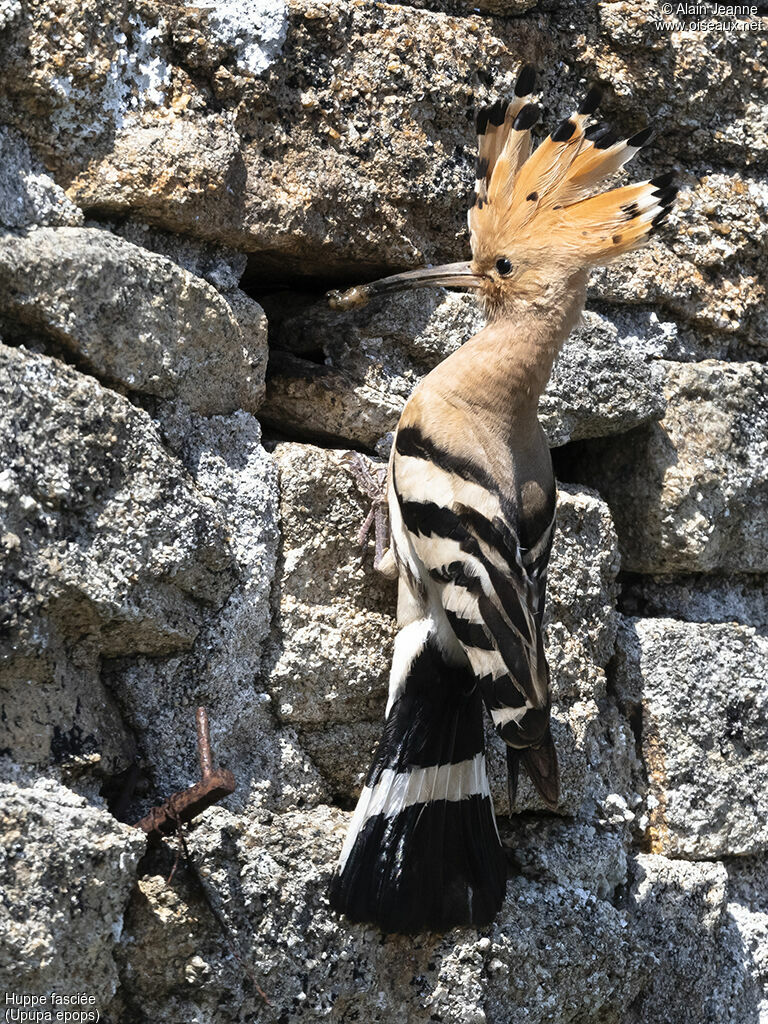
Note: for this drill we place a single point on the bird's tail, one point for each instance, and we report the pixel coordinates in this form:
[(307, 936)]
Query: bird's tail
[(422, 852), (540, 762)]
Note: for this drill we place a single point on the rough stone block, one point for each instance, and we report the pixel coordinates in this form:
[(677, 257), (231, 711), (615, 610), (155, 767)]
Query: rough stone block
[(688, 494), (158, 696), (135, 318), (374, 357), (748, 908), (66, 872), (703, 693), (28, 195), (700, 973), (109, 550)]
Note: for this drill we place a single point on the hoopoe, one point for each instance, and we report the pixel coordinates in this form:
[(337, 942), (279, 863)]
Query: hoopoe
[(471, 497)]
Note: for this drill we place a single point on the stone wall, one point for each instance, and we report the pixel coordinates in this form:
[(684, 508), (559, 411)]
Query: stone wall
[(178, 185)]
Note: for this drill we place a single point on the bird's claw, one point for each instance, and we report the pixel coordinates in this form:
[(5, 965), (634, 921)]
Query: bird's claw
[(371, 481)]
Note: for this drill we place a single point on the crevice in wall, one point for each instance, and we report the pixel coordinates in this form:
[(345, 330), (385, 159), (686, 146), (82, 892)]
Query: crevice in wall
[(268, 274), (697, 597), (120, 791), (278, 433), (17, 334), (566, 458)]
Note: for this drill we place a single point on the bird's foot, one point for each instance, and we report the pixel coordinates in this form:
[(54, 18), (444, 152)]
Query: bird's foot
[(371, 481)]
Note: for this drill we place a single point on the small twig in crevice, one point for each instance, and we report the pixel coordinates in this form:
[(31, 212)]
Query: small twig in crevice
[(181, 848)]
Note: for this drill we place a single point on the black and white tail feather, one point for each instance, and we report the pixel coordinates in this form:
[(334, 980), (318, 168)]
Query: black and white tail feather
[(422, 852)]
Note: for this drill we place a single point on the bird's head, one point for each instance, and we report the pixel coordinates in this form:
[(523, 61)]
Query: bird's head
[(517, 272), (537, 220)]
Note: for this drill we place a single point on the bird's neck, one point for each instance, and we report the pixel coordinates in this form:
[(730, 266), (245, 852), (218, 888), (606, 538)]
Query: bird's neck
[(517, 350), (487, 392)]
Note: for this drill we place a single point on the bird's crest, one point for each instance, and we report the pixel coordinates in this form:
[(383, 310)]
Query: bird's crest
[(548, 199)]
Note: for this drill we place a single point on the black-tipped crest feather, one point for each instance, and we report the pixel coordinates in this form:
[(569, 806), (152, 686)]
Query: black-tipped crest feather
[(526, 80), (605, 139), (527, 118), (564, 131), (591, 101), (641, 138), (596, 129), (662, 180)]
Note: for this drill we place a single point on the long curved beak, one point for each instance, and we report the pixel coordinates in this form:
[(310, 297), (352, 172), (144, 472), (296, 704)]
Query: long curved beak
[(449, 275)]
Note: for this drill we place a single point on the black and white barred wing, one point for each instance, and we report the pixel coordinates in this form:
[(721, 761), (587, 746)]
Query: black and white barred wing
[(460, 535)]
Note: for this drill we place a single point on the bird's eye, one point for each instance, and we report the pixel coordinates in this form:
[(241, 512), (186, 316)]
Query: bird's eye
[(503, 266)]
